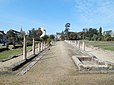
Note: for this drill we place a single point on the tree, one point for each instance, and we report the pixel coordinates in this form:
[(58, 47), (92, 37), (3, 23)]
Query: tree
[(107, 37), (100, 31), (67, 25), (100, 34), (45, 37), (49, 41), (95, 37), (91, 32), (73, 36), (35, 34), (11, 37), (52, 37), (21, 36)]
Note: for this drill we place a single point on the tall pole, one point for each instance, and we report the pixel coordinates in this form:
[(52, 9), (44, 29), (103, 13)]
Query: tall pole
[(84, 45), (24, 48), (33, 47), (39, 46)]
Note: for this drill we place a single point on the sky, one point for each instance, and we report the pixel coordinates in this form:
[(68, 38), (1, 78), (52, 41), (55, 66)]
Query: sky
[(54, 14)]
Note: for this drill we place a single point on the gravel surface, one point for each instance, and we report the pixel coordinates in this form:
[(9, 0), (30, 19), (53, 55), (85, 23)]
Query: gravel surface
[(57, 68)]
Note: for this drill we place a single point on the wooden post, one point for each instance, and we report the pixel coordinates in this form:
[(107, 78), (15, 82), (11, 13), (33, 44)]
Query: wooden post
[(24, 48)]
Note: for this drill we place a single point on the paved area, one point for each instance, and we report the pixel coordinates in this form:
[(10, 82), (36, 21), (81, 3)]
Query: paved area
[(57, 68)]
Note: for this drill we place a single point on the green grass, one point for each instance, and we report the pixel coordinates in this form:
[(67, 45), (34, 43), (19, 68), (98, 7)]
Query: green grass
[(12, 52), (9, 53), (106, 45)]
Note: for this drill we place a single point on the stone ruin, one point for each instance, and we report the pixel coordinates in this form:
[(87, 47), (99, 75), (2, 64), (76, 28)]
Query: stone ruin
[(88, 64)]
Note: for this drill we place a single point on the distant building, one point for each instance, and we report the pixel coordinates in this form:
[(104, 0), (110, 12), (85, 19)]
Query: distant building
[(16, 32), (16, 36), (3, 37), (58, 36), (109, 32), (43, 32)]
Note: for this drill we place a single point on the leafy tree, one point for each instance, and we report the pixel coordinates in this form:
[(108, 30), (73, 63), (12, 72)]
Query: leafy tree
[(73, 36), (67, 25), (45, 37), (52, 37), (35, 34), (95, 37), (100, 31), (100, 34), (91, 32), (11, 37), (49, 41), (21, 36), (107, 37)]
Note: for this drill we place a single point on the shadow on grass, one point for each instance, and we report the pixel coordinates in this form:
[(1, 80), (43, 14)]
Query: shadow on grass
[(4, 49)]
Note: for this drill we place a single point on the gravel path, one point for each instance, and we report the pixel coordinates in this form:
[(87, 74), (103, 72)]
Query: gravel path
[(57, 68)]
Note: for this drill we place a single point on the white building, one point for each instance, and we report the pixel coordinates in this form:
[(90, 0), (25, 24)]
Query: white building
[(58, 36), (43, 32), (109, 32)]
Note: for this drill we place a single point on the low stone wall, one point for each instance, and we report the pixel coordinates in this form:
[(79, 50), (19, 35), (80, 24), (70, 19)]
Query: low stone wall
[(17, 65), (92, 65)]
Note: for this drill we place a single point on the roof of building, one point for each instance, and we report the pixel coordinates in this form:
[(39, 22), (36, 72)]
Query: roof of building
[(58, 33), (2, 33)]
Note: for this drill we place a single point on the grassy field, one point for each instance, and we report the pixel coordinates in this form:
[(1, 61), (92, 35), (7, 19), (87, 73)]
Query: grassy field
[(106, 45), (12, 52)]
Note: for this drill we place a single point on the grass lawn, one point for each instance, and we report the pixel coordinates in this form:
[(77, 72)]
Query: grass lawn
[(12, 52), (106, 45)]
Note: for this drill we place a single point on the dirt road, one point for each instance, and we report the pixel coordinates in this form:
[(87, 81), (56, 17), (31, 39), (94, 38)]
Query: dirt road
[(57, 68)]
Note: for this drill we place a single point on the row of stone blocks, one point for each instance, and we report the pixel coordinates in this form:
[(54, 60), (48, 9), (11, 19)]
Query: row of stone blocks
[(77, 43)]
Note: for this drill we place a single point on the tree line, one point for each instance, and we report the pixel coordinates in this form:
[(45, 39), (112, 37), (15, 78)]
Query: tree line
[(15, 37), (91, 34)]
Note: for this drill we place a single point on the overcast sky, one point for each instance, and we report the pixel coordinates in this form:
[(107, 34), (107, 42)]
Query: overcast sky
[(53, 14)]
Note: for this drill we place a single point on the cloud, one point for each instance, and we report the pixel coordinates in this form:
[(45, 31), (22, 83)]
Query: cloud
[(95, 12)]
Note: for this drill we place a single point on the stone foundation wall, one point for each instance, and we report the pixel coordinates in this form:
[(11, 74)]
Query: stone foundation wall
[(97, 67)]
